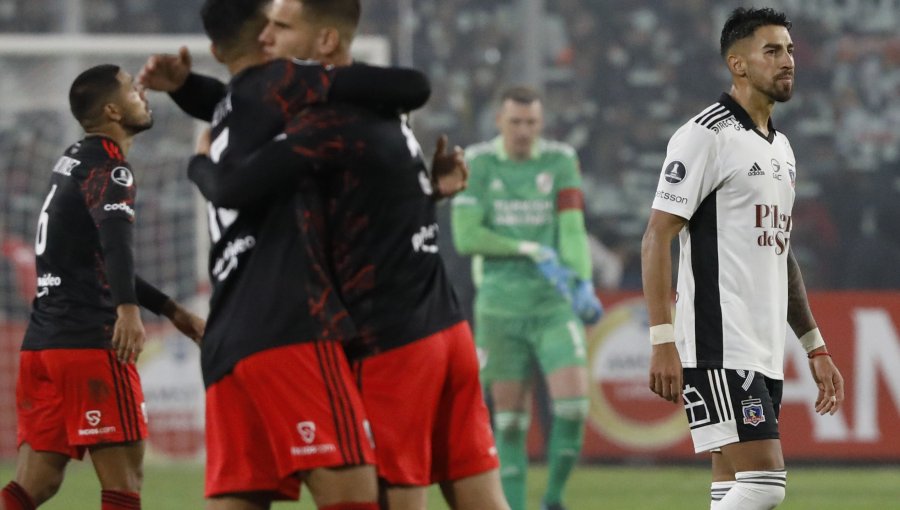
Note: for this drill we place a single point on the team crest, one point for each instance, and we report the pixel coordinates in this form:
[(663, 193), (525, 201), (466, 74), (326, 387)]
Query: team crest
[(753, 411), (544, 182), (792, 173), (307, 430)]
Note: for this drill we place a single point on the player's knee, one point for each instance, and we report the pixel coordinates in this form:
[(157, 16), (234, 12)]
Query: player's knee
[(575, 409), (44, 489), (756, 490), (511, 423)]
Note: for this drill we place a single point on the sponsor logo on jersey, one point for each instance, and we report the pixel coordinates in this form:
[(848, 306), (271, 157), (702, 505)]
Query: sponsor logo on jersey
[(65, 165), (497, 185), (776, 169), (756, 170), (93, 418), (753, 411), (122, 176), (722, 124), (121, 206), (222, 110), (544, 182), (675, 172), (228, 261), (424, 239), (523, 212), (665, 195), (776, 227), (45, 281), (307, 431)]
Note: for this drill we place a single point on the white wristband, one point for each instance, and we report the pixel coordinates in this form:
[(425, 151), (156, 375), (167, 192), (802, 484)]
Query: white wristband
[(662, 334), (812, 340)]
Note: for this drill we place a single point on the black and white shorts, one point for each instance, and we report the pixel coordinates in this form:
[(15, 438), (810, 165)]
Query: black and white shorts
[(726, 406)]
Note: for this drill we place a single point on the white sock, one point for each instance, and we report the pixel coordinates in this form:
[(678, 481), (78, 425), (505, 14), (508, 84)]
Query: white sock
[(755, 490), (717, 491)]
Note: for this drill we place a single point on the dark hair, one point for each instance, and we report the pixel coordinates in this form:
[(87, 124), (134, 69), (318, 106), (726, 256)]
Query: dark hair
[(226, 21), (743, 22), (520, 94), (343, 12), (91, 90)]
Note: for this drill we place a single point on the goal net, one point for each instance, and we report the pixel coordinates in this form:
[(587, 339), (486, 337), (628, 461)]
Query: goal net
[(171, 239)]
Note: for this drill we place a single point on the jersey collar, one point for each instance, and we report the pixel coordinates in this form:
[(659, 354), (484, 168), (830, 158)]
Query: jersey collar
[(536, 150), (744, 118)]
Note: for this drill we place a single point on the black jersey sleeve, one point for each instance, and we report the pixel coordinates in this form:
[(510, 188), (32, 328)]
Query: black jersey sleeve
[(149, 296), (384, 88), (117, 243), (199, 96), (275, 166)]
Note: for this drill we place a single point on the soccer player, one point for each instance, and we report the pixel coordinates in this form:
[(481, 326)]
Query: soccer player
[(726, 190), (274, 316), (78, 389), (419, 375), (522, 217)]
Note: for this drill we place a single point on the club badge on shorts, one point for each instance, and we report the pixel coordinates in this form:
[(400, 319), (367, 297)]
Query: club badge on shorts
[(752, 411)]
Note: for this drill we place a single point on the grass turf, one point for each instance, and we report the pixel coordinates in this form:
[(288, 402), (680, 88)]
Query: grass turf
[(180, 486)]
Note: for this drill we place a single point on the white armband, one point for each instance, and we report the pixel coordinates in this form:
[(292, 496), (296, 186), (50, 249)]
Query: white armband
[(662, 334), (812, 340)]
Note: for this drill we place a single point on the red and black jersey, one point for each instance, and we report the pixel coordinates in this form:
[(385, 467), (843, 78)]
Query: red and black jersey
[(379, 216), (91, 188)]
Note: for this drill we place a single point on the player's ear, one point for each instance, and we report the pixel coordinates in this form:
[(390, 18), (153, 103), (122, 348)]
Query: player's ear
[(736, 64), (112, 112), (216, 52), (329, 40)]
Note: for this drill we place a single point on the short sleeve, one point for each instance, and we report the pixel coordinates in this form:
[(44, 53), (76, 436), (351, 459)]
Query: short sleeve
[(689, 173), (109, 192)]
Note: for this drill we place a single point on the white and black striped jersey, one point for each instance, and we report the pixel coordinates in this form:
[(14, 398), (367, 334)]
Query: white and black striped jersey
[(735, 187)]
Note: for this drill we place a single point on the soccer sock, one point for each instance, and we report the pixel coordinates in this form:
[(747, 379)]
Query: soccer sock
[(120, 500), (755, 490), (512, 428), (351, 506), (14, 497), (717, 491), (566, 438)]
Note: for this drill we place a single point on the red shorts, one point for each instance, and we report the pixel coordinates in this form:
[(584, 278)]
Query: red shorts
[(427, 411), (282, 411), (70, 399)]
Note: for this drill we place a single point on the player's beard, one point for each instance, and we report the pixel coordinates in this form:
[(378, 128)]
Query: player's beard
[(134, 127), (780, 91)]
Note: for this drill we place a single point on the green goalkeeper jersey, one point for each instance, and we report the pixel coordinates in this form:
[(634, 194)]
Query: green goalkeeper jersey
[(509, 202)]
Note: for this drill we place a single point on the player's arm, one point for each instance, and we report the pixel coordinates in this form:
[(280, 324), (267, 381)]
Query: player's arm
[(274, 167), (656, 275), (385, 88), (117, 241), (159, 303), (199, 95), (195, 94), (800, 318)]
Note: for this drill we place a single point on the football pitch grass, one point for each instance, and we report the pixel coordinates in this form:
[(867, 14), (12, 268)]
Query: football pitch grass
[(180, 486)]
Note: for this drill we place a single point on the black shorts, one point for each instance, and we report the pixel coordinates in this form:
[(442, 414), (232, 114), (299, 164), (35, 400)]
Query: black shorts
[(729, 406)]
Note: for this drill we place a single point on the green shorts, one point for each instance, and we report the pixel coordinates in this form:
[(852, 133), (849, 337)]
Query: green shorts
[(509, 347)]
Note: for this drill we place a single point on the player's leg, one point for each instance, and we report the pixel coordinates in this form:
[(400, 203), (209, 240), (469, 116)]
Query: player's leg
[(38, 478), (562, 354), (242, 501), (44, 449), (506, 369), (120, 469), (465, 456), (343, 488), (722, 478), (736, 411)]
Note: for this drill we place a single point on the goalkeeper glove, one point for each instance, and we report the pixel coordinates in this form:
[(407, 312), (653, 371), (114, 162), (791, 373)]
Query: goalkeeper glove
[(549, 266), (586, 304)]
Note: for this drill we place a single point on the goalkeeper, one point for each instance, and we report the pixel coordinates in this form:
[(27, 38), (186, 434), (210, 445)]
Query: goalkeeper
[(521, 217)]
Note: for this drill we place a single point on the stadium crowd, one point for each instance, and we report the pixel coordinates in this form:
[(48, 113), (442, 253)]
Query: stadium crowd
[(621, 76)]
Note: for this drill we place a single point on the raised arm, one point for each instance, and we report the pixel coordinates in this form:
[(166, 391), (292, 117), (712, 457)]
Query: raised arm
[(386, 88), (656, 271), (195, 94)]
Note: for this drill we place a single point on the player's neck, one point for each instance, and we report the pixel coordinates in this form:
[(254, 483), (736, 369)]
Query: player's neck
[(115, 133), (758, 106), (240, 63)]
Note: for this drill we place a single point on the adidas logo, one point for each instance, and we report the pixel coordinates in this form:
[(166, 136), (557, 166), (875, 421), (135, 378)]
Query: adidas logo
[(755, 170)]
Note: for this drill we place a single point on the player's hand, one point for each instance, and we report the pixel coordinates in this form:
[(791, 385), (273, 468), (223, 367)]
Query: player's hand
[(203, 141), (165, 72), (586, 303), (188, 323), (128, 334), (558, 275), (830, 382), (666, 376), (449, 172)]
